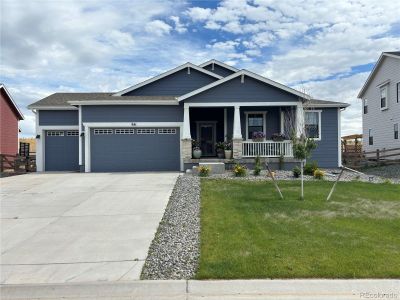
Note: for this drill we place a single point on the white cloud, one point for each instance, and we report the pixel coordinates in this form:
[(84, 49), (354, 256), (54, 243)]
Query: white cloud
[(158, 28), (179, 27)]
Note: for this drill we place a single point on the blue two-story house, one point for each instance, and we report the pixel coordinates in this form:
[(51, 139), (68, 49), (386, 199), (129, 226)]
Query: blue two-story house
[(150, 126)]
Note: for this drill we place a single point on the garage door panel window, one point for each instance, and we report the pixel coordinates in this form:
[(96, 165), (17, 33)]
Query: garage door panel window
[(55, 133), (73, 133), (145, 131), (167, 131), (103, 131), (125, 131)]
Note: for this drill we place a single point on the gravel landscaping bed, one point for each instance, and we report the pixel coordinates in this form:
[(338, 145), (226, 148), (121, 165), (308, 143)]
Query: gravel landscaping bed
[(330, 175), (391, 171), (175, 249)]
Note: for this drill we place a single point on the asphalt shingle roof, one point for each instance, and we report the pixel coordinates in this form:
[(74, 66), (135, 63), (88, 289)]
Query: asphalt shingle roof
[(61, 99)]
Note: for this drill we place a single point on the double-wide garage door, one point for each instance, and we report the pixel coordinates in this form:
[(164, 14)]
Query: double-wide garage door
[(134, 149), (61, 150)]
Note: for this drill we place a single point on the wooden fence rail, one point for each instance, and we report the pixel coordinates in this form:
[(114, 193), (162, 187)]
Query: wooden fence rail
[(17, 163), (376, 157)]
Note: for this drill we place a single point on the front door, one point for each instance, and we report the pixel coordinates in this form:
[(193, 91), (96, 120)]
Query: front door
[(207, 138)]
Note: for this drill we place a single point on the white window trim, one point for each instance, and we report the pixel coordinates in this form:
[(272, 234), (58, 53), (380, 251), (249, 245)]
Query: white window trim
[(141, 131), (398, 130), (398, 92), (365, 100), (319, 123), (166, 131), (260, 112), (381, 87)]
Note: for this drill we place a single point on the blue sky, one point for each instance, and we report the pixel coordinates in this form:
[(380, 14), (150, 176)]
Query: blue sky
[(326, 48)]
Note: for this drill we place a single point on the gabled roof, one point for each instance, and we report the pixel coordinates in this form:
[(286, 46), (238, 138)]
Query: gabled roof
[(394, 54), (220, 63), (62, 100), (14, 106), (158, 77), (249, 74)]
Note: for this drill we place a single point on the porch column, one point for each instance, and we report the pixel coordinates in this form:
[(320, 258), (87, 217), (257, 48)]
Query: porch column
[(186, 136), (299, 120), (237, 134)]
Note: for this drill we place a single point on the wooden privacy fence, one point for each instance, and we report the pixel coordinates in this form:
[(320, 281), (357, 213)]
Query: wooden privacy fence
[(372, 158), (17, 163)]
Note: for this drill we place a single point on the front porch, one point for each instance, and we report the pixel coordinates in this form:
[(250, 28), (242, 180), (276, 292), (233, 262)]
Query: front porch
[(208, 125)]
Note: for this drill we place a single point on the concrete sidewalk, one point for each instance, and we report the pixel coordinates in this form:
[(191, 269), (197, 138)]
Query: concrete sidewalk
[(223, 289)]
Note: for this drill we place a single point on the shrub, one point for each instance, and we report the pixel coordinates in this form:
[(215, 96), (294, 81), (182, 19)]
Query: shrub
[(257, 166), (296, 172), (310, 168), (240, 170), (204, 171), (319, 174)]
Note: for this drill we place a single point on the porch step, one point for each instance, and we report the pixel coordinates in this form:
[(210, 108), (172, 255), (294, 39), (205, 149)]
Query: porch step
[(215, 167)]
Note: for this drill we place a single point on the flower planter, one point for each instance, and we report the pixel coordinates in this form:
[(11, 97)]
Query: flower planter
[(196, 153), (228, 154), (259, 140), (220, 154)]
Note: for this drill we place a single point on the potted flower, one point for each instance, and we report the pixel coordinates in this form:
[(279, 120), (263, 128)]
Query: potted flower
[(196, 151), (258, 136), (228, 149), (220, 147), (278, 137)]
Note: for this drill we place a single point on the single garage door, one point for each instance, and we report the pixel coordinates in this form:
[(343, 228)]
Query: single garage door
[(135, 149), (62, 150)]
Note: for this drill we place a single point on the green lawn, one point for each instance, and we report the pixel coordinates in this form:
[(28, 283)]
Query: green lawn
[(248, 232)]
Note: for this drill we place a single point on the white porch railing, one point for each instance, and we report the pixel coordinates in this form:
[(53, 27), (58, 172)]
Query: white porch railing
[(267, 149)]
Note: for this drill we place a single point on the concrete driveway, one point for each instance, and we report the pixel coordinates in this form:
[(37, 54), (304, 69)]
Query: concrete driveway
[(76, 227)]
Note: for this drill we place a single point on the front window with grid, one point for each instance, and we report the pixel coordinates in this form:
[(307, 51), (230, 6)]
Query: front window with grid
[(255, 123), (312, 124), (103, 131), (125, 131), (384, 98), (145, 131), (73, 133), (55, 133), (166, 131)]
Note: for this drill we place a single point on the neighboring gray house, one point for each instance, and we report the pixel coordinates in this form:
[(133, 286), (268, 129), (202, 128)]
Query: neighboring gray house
[(381, 104), (149, 126)]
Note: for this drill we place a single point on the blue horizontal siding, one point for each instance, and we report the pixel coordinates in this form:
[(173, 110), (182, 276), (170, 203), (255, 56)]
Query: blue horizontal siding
[(58, 117), (326, 153), (219, 70), (132, 113), (251, 90), (176, 84)]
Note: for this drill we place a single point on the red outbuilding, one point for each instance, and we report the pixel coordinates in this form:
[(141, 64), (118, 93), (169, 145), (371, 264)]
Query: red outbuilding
[(10, 115)]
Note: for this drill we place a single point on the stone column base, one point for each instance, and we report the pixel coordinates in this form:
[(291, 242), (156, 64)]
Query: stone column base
[(237, 148), (186, 149)]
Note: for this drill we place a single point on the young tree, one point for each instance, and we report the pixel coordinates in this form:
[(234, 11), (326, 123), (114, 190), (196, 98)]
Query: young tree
[(303, 145)]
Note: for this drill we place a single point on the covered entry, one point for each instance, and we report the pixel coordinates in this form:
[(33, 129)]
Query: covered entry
[(134, 149), (61, 150)]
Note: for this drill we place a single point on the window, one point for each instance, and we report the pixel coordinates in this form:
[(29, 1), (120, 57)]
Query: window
[(365, 106), (398, 92), (166, 131), (73, 133), (370, 137), (384, 97), (255, 122), (103, 131), (125, 131), (55, 133), (396, 131), (145, 131), (312, 123)]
